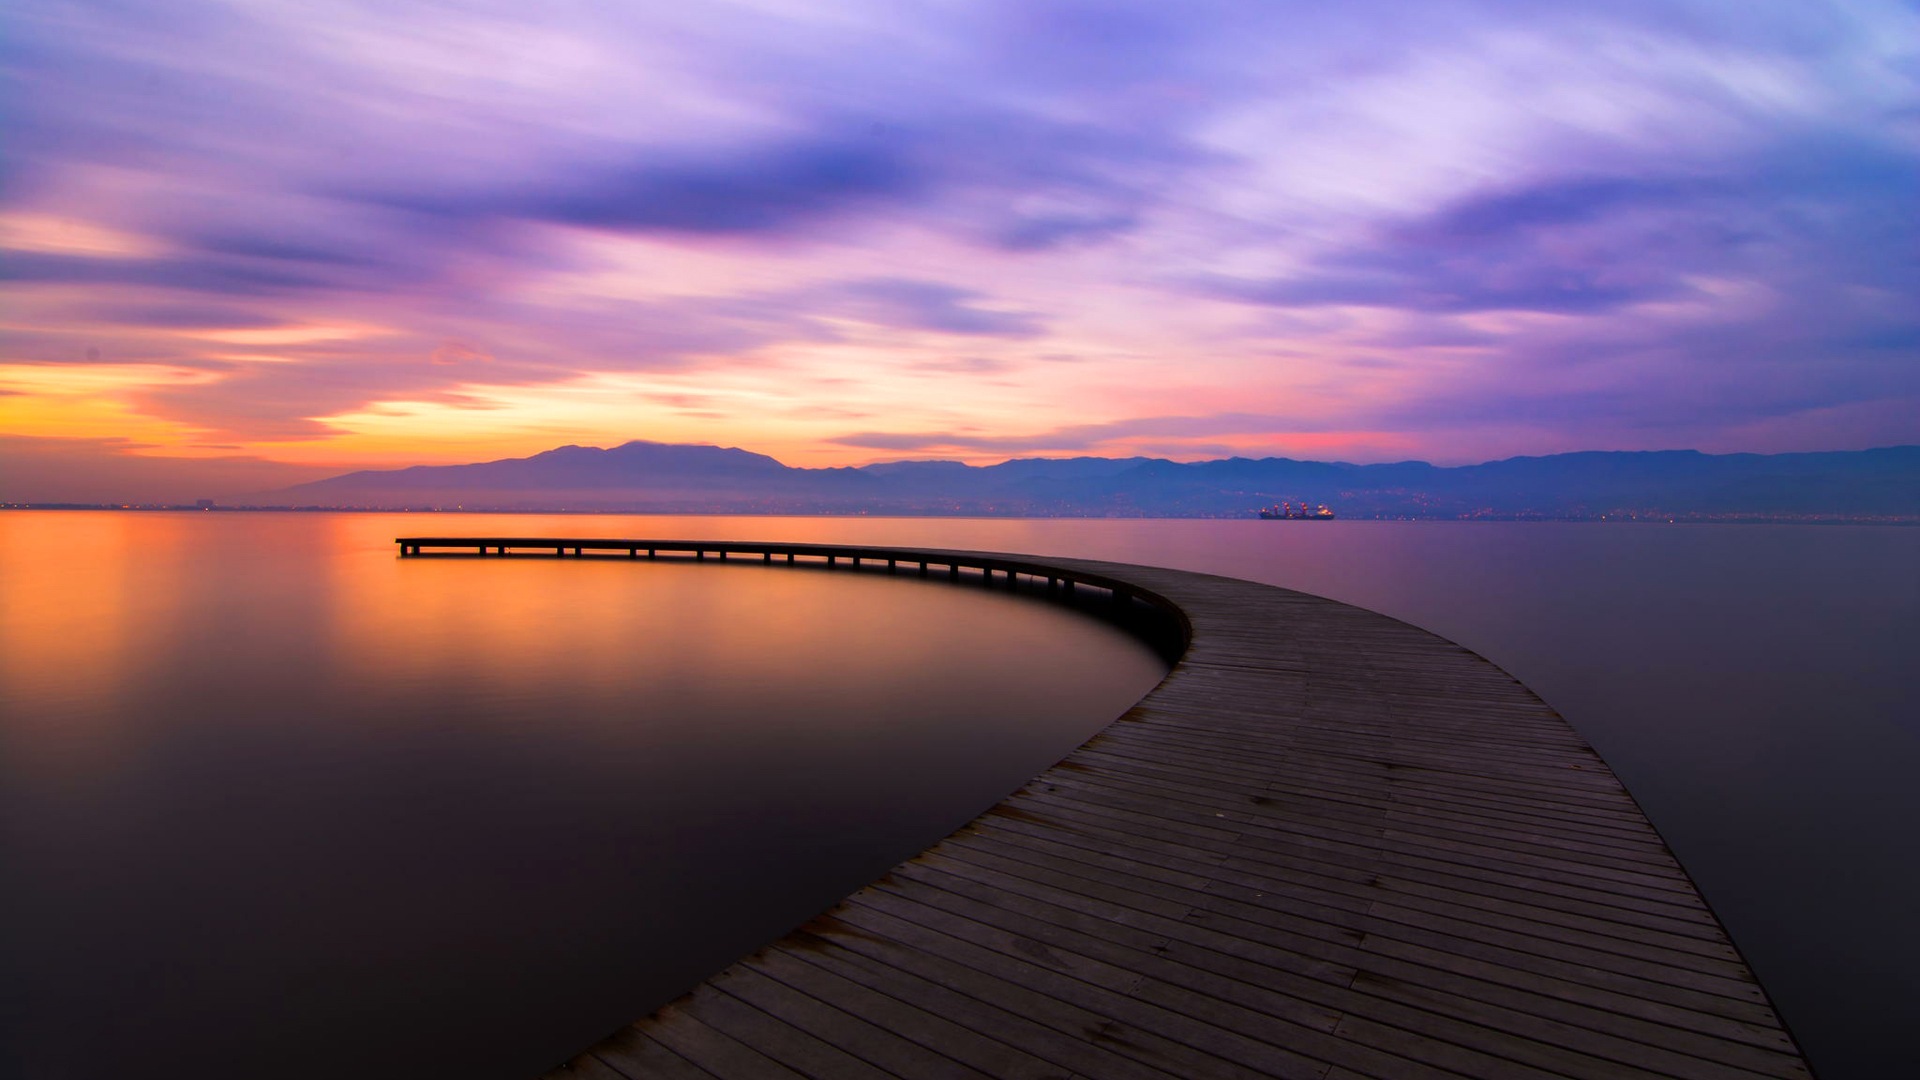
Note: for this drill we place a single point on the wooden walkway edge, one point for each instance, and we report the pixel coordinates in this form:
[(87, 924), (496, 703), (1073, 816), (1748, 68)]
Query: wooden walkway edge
[(1327, 845)]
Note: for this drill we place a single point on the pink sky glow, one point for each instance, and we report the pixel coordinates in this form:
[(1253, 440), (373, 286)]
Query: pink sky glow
[(248, 244)]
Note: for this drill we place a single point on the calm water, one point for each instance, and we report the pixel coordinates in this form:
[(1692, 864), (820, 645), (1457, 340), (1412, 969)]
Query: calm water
[(269, 795), (493, 798)]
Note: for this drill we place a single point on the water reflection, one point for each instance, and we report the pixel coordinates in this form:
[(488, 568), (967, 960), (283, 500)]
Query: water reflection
[(270, 794)]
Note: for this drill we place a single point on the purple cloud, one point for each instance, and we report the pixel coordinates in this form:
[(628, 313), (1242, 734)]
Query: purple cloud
[(758, 189), (1597, 243), (1667, 217), (1089, 436), (930, 305)]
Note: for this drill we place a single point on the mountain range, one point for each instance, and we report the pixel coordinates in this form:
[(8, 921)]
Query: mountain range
[(650, 477)]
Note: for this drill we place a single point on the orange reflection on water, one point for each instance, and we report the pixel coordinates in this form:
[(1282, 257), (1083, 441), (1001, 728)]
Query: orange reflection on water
[(99, 608), (677, 638), (65, 637)]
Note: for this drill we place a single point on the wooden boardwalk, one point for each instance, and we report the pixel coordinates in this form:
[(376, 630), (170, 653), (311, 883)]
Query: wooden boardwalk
[(1329, 844)]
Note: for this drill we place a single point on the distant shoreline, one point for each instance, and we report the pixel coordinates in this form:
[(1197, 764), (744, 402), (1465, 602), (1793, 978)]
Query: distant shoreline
[(1609, 518)]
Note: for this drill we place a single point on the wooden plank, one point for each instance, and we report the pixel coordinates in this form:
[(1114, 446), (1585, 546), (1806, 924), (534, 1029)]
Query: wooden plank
[(1231, 863), (1131, 909), (1252, 761), (1340, 815), (1286, 795), (681, 1031), (736, 1016), (1241, 1000), (1295, 786), (1290, 910), (1188, 1046), (1040, 1027), (804, 997), (585, 1067), (634, 1053), (1477, 861), (1596, 1050)]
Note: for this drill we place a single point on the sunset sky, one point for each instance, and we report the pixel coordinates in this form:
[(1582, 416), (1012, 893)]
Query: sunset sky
[(245, 244)]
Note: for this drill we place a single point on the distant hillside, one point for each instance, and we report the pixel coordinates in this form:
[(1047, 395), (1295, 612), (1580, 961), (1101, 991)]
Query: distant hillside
[(643, 476)]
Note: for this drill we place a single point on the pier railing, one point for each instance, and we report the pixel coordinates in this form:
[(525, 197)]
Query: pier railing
[(986, 567)]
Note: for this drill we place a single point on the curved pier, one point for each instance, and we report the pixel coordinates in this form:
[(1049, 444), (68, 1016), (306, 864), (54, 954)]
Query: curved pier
[(1327, 845)]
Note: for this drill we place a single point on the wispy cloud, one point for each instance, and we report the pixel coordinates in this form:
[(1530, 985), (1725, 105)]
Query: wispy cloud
[(1457, 227), (1084, 437)]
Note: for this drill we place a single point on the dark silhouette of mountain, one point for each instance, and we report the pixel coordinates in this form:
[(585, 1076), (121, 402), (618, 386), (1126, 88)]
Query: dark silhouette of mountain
[(666, 477), (635, 464)]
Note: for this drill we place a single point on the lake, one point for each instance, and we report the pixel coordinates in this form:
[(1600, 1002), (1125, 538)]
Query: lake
[(269, 793)]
